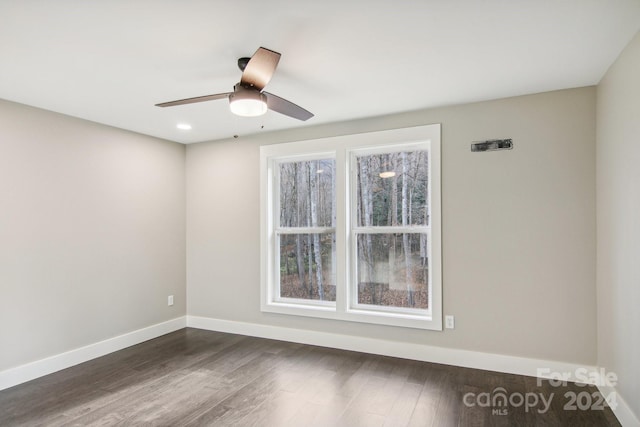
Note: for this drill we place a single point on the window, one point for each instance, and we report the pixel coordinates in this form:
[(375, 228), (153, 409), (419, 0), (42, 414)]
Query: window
[(305, 232), (389, 230), (350, 228)]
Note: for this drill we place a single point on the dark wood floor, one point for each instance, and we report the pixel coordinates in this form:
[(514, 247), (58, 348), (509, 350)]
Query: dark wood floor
[(200, 378)]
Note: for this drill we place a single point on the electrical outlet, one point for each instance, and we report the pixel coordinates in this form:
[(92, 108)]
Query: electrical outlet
[(170, 300), (449, 322)]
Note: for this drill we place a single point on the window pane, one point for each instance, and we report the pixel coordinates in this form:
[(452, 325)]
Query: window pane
[(393, 189), (307, 267), (306, 193), (393, 270)]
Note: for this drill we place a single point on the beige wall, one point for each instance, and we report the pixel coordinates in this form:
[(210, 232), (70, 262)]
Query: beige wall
[(618, 178), (518, 227), (92, 232)]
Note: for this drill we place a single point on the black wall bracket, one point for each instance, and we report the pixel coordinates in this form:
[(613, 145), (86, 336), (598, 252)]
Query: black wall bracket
[(492, 145)]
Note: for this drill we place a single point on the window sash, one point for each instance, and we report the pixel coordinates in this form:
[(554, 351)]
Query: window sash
[(386, 149), (353, 267), (275, 166), (276, 288)]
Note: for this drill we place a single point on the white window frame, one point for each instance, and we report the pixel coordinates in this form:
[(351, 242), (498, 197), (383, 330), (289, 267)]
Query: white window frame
[(344, 147)]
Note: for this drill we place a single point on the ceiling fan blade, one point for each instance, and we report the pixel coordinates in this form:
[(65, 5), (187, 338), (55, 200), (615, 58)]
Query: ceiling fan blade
[(194, 100), (287, 108), (260, 68)]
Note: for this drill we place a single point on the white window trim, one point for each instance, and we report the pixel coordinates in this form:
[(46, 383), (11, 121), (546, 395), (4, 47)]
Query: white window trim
[(341, 147)]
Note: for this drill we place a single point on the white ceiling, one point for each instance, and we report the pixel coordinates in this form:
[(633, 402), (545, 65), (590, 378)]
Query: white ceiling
[(111, 61)]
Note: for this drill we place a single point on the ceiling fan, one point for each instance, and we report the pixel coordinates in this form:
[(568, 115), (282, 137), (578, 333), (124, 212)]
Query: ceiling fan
[(248, 98)]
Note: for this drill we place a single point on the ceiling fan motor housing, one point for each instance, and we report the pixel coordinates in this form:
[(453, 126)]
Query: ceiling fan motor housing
[(242, 63)]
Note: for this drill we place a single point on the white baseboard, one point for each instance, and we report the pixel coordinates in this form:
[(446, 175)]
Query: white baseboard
[(39, 368), (448, 356), (620, 408)]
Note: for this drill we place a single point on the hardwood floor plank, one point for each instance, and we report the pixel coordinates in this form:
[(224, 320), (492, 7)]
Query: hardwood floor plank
[(279, 409), (360, 405), (426, 407), (404, 405)]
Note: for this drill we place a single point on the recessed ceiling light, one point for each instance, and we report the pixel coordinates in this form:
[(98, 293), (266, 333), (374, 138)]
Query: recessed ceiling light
[(183, 126), (387, 174)]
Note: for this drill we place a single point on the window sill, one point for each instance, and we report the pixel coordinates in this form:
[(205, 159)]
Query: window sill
[(403, 320)]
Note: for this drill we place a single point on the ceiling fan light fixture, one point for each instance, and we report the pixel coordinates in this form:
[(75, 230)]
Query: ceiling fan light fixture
[(247, 103)]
